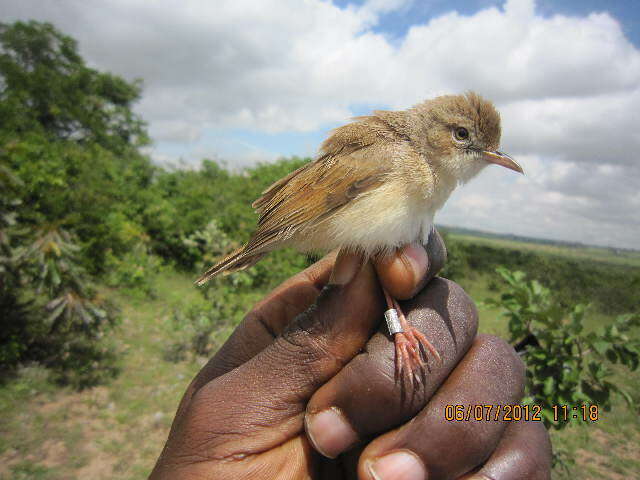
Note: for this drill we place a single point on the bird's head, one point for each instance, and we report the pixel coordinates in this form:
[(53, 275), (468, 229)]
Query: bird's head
[(459, 134)]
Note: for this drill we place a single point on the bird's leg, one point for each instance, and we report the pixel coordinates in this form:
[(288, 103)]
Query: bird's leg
[(418, 338), (410, 343)]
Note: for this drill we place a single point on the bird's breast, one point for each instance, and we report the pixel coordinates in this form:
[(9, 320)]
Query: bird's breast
[(380, 220)]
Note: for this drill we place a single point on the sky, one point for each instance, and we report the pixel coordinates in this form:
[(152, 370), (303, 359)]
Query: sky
[(245, 82)]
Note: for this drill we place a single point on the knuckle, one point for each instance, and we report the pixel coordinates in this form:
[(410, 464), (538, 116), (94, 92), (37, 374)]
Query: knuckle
[(299, 343), (256, 320), (304, 343), (306, 353)]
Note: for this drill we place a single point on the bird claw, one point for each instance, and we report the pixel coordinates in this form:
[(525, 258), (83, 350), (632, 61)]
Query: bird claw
[(411, 358)]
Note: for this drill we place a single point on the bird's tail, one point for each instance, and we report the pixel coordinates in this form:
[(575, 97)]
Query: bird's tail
[(235, 261)]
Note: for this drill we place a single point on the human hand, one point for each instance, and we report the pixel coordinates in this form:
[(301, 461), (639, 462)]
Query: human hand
[(309, 355)]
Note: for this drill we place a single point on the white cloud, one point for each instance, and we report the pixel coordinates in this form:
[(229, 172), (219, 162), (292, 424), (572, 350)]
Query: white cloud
[(568, 89), (279, 65), (572, 202), (595, 129)]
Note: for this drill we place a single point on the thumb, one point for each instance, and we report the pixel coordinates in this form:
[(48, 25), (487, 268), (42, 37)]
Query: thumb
[(261, 404)]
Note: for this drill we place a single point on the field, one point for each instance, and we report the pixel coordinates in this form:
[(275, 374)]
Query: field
[(48, 432), (609, 256)]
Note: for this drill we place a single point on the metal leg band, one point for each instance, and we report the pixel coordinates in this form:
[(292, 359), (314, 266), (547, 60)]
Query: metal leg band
[(393, 322)]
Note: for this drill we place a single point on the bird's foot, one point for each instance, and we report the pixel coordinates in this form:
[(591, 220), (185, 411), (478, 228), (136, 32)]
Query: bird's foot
[(411, 354), (411, 344)]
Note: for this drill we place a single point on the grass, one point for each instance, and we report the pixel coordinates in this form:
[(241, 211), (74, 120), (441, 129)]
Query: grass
[(53, 433), (117, 430), (626, 258)]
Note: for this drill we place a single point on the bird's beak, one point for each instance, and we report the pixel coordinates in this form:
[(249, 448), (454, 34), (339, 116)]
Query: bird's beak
[(503, 159)]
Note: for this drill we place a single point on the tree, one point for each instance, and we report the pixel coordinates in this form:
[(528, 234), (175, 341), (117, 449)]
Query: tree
[(47, 87), (73, 187), (70, 135)]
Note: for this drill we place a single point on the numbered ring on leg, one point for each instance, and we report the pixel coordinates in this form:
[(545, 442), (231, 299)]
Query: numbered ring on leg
[(393, 322)]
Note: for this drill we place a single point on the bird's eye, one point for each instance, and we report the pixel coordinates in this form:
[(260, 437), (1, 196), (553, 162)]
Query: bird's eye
[(461, 134)]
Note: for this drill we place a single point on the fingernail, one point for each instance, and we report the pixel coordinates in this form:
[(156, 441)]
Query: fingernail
[(329, 432), (400, 464), (415, 257), (345, 268)]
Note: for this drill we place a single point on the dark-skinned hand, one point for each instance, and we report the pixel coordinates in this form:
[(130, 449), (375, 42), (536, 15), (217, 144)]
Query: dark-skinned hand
[(305, 387)]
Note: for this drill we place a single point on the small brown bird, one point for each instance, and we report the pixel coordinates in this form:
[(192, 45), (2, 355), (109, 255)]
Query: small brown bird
[(375, 187)]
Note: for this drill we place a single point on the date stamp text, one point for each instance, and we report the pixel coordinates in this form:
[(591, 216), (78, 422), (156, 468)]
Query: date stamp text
[(516, 413)]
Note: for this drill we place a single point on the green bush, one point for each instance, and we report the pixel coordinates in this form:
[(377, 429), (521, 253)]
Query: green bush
[(611, 289), (197, 327), (12, 308), (566, 364), (205, 247), (51, 313), (202, 327), (134, 271), (456, 265), (225, 299), (185, 201)]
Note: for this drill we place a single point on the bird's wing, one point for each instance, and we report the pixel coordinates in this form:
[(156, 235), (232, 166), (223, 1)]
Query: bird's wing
[(316, 190)]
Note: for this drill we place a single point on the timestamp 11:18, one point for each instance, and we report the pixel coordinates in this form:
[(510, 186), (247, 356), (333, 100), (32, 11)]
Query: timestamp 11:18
[(586, 413)]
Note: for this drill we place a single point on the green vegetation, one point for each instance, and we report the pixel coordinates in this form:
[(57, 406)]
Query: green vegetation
[(88, 223), (80, 200), (96, 432), (566, 365), (609, 286), (615, 256)]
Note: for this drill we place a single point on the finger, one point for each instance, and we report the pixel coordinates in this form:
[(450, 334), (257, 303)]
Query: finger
[(407, 271), (430, 446), (271, 390), (267, 319), (523, 452), (365, 398), (263, 323)]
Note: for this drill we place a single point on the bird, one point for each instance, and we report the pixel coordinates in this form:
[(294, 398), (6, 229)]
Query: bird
[(374, 187)]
